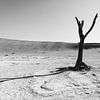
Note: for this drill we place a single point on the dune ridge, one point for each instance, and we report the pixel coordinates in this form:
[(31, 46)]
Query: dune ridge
[(10, 45)]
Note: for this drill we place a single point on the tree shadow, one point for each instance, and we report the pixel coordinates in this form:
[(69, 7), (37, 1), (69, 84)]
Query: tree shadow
[(58, 71)]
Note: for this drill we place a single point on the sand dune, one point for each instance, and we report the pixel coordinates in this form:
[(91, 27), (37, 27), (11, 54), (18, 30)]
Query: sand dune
[(8, 45)]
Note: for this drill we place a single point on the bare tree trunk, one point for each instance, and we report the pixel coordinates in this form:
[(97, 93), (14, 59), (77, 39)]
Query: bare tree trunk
[(79, 63), (80, 55)]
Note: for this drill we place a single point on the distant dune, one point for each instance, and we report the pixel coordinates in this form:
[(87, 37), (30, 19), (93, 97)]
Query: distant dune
[(9, 45)]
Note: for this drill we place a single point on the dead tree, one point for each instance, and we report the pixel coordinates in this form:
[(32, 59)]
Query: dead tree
[(79, 63)]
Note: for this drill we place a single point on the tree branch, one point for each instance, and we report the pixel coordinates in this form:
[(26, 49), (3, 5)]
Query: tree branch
[(78, 22), (82, 23), (93, 23), (80, 26)]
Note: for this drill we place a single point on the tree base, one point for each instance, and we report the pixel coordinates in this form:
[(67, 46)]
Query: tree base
[(83, 67)]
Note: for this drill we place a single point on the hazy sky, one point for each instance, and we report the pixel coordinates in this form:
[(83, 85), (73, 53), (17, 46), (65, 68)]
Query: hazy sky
[(48, 20)]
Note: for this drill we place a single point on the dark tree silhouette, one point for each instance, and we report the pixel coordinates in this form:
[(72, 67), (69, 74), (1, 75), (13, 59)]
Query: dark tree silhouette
[(79, 63)]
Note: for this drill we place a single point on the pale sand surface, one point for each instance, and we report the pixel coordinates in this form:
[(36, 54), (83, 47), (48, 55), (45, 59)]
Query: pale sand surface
[(64, 86), (22, 58)]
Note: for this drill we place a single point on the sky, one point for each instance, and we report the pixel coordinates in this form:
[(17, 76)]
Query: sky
[(48, 20)]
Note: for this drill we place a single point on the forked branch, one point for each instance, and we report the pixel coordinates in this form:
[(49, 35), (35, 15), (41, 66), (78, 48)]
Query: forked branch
[(80, 27), (80, 24)]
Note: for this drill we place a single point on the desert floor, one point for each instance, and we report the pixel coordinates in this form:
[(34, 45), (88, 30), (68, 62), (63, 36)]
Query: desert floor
[(68, 85)]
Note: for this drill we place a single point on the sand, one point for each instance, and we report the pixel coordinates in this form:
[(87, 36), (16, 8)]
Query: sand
[(64, 86), (26, 61)]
